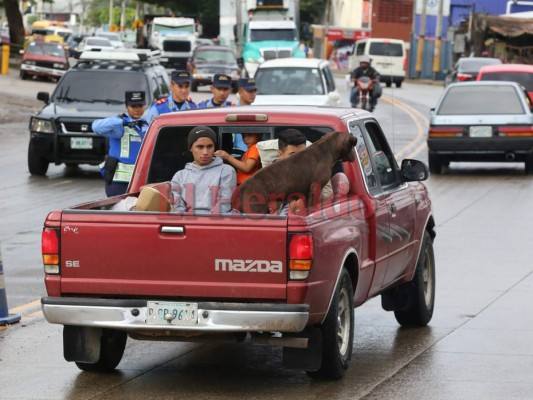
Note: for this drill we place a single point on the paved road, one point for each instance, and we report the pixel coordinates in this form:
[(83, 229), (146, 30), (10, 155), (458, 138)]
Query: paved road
[(478, 345)]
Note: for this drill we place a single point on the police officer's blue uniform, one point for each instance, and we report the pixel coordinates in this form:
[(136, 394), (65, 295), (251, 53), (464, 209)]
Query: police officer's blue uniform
[(125, 138), (209, 103)]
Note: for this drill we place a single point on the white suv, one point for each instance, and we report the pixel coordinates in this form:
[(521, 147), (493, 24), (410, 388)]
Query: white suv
[(296, 81)]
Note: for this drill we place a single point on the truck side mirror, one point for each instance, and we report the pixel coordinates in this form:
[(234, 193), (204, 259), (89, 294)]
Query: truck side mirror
[(43, 96), (414, 170)]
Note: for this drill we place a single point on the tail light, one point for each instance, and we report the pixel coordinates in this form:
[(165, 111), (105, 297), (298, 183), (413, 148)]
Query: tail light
[(405, 64), (516, 131), (301, 252), (445, 131), (50, 250), (464, 77)]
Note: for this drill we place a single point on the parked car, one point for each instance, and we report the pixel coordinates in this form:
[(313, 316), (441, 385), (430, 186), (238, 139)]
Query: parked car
[(93, 88), (206, 61), (94, 43), (43, 59), (467, 68), (481, 121), (296, 81), (113, 37), (521, 73)]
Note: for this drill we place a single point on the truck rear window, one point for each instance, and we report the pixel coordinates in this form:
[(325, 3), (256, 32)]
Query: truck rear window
[(171, 152), (386, 49)]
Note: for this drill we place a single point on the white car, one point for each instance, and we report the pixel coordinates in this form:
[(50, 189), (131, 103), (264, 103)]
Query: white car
[(95, 43), (296, 81), (113, 37)]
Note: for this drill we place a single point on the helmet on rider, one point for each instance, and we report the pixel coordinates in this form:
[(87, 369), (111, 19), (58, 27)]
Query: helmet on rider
[(364, 60)]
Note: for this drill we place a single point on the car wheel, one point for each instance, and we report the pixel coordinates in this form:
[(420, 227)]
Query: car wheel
[(37, 164), (388, 83), (435, 164), (23, 75), (337, 332), (194, 86), (112, 345), (421, 290), (529, 165), (399, 84)]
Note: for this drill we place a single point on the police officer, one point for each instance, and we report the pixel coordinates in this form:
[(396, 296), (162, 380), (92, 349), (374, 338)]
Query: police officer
[(179, 99), (247, 91), (364, 69), (221, 89), (126, 133)]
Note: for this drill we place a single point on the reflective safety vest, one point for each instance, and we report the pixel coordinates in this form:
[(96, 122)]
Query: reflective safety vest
[(126, 150)]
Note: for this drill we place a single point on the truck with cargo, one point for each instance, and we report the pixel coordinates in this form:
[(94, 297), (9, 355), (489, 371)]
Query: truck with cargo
[(291, 281)]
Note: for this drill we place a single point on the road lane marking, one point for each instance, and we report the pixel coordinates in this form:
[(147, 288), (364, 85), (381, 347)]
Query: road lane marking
[(25, 307)]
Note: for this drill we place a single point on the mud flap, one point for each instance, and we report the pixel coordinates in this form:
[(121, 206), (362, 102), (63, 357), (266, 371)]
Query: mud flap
[(396, 299), (81, 344), (308, 359)]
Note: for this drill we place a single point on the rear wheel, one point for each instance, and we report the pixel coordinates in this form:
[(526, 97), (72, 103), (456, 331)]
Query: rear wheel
[(529, 165), (23, 75), (37, 164), (421, 290), (337, 332), (388, 83), (399, 84), (435, 164), (112, 345)]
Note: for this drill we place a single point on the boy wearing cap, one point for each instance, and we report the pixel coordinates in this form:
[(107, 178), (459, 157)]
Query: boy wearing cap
[(221, 89), (205, 185), (126, 133), (178, 100)]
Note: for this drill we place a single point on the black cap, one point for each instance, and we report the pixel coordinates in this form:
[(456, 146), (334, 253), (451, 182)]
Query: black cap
[(199, 132), (135, 98), (247, 84), (221, 81), (181, 77)]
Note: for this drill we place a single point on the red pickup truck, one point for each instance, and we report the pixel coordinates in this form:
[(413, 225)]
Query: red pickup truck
[(290, 281)]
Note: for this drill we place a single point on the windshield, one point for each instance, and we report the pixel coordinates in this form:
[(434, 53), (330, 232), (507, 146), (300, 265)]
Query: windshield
[(215, 55), (175, 29), (259, 35), (98, 42), (476, 64), (89, 86), (289, 81), (386, 49), (110, 36), (481, 100), (523, 78), (50, 49)]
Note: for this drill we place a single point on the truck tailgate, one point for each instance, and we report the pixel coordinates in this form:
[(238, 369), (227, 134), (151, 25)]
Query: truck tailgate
[(154, 255)]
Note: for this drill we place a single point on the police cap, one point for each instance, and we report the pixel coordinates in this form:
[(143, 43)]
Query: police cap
[(247, 84), (135, 98), (221, 81), (181, 77)]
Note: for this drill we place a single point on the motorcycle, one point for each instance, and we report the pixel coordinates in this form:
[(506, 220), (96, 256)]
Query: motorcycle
[(364, 86)]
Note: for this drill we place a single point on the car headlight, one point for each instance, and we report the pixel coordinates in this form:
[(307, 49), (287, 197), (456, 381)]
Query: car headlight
[(29, 62), (59, 66), (41, 125), (256, 60)]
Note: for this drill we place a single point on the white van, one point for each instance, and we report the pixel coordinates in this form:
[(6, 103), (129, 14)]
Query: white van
[(388, 58)]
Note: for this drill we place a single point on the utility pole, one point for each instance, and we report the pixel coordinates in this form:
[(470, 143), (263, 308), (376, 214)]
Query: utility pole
[(438, 41), (110, 14), (421, 39), (122, 15)]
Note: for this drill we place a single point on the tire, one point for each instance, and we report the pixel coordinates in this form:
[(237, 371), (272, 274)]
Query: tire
[(363, 104), (398, 84), (194, 86), (37, 164), (112, 345), (337, 332), (388, 83), (435, 164), (23, 75), (421, 289), (529, 165)]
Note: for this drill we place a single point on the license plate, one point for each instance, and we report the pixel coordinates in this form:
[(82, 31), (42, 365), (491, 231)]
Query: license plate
[(166, 313), (480, 131), (81, 143)]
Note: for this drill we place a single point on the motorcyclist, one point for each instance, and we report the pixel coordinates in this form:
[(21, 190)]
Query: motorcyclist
[(364, 69)]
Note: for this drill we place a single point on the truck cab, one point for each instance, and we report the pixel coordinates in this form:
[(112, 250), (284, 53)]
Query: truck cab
[(175, 37)]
